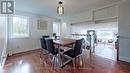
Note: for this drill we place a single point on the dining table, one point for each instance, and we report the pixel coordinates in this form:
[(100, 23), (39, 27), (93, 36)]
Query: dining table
[(64, 42)]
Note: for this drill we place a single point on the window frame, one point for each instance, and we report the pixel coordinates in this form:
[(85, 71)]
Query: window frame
[(27, 32)]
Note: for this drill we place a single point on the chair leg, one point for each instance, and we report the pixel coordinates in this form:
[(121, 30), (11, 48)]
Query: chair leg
[(73, 60), (53, 61), (40, 55), (56, 60), (61, 59), (45, 52), (73, 63), (82, 59), (50, 59)]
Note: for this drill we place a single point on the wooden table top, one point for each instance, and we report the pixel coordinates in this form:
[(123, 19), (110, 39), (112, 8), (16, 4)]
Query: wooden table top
[(64, 41)]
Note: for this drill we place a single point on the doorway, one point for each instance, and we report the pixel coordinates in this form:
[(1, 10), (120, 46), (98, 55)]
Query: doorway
[(105, 46), (104, 36)]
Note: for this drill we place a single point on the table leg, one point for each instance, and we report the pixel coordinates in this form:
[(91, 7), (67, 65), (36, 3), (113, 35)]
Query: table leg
[(61, 63), (59, 57)]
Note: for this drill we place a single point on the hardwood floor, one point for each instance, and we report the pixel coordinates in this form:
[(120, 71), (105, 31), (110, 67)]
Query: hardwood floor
[(30, 62)]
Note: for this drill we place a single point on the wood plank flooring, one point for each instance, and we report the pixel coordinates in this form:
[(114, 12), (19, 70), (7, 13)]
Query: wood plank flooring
[(32, 62)]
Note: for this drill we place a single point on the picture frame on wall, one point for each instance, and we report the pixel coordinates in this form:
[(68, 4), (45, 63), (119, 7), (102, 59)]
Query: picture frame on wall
[(42, 25)]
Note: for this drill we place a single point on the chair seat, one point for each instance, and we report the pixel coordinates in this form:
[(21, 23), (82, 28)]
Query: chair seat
[(56, 51), (70, 53)]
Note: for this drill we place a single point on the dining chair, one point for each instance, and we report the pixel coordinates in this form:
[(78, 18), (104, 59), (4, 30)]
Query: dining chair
[(52, 50), (76, 51), (45, 36), (43, 44), (83, 43)]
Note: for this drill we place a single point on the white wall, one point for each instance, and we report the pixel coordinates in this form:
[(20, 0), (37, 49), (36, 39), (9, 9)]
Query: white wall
[(32, 42), (81, 17), (105, 26), (3, 39), (104, 13), (3, 23), (94, 14), (124, 30)]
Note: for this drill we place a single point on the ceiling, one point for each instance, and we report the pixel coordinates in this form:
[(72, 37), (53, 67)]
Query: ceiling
[(48, 7)]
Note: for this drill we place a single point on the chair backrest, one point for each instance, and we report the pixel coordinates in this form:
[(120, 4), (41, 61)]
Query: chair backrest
[(78, 47), (45, 36), (43, 42), (50, 45)]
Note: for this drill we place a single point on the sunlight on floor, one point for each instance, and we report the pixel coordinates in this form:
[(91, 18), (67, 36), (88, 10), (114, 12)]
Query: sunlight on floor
[(106, 51), (22, 68), (1, 71)]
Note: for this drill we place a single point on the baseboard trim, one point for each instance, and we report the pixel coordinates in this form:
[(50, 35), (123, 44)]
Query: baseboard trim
[(19, 50), (36, 49), (122, 58)]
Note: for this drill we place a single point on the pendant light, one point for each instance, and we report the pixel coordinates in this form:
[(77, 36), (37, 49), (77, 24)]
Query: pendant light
[(60, 8)]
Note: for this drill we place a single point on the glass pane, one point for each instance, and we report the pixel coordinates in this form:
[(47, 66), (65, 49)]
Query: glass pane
[(56, 28), (20, 26)]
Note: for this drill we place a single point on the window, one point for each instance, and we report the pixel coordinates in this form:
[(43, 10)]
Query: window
[(56, 28), (20, 27), (105, 34)]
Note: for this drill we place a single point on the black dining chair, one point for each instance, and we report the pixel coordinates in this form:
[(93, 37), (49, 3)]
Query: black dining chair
[(76, 51), (43, 44), (52, 50), (45, 36)]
